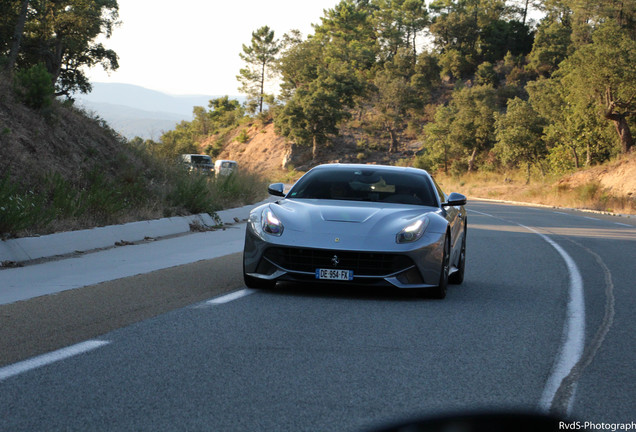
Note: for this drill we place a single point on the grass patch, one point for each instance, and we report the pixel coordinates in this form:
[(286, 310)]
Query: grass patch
[(164, 189), (20, 209)]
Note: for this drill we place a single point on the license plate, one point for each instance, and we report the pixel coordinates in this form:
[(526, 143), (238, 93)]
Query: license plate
[(330, 274)]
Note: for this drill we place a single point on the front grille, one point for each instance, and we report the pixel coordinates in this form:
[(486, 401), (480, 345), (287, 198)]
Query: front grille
[(362, 263)]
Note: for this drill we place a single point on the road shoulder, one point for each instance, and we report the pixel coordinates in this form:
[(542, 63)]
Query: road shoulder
[(43, 324)]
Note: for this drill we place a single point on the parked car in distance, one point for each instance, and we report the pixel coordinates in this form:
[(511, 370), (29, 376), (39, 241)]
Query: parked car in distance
[(198, 162), (224, 167)]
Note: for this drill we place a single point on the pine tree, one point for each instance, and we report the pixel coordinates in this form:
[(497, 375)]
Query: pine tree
[(259, 55)]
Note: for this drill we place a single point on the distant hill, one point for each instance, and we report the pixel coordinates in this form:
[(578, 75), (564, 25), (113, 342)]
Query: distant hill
[(137, 111), (132, 122)]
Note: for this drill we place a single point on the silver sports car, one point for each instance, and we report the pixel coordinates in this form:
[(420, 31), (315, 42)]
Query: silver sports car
[(359, 224)]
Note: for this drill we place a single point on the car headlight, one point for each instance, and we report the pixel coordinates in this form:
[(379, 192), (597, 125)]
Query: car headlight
[(412, 232), (270, 223)]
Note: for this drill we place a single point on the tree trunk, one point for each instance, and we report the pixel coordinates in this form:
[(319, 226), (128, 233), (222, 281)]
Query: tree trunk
[(17, 36), (471, 162), (541, 167), (624, 133), (394, 142), (260, 97), (445, 159), (576, 157), (525, 12), (54, 63), (314, 149)]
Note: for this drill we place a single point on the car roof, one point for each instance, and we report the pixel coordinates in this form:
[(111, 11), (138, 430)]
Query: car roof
[(370, 166)]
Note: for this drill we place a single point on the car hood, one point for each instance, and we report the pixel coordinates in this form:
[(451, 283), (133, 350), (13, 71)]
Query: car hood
[(346, 224)]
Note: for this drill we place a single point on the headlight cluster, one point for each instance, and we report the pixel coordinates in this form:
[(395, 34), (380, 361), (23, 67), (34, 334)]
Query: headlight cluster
[(270, 223), (412, 232)]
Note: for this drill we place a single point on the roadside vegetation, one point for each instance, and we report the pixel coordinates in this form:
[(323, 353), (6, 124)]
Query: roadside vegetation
[(550, 190), (472, 90), (61, 169), (96, 197)]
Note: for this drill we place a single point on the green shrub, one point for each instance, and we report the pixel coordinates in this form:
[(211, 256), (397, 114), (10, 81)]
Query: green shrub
[(34, 87), (192, 193), (103, 201), (64, 198), (20, 210), (238, 189), (243, 137), (589, 191)]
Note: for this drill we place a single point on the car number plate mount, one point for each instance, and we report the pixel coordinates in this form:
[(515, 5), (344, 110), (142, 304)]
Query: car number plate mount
[(331, 274)]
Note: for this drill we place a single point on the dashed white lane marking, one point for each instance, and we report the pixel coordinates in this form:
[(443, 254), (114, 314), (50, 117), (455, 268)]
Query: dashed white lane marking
[(73, 350), (561, 213), (52, 357), (622, 224), (590, 218), (231, 296)]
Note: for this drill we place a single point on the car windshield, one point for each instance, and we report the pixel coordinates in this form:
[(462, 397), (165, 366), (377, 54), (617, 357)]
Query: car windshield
[(365, 184), (203, 160)]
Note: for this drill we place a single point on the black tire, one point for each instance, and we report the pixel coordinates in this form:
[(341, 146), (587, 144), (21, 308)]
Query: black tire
[(440, 291), (258, 283), (458, 277)]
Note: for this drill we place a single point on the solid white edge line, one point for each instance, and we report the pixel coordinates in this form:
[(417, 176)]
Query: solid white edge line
[(52, 357), (574, 328), (231, 297)]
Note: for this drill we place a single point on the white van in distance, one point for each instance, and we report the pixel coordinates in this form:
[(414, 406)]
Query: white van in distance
[(225, 167)]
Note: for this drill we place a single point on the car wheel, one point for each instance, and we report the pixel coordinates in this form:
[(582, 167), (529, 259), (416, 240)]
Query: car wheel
[(458, 277), (440, 291), (258, 283)]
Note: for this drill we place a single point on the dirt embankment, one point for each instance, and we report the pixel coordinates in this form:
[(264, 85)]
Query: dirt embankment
[(267, 153), (263, 152), (617, 177), (57, 139)]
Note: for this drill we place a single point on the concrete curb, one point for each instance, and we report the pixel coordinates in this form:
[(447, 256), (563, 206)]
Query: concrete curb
[(47, 246)]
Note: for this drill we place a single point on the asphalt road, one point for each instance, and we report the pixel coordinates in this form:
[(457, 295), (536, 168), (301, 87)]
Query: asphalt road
[(544, 320)]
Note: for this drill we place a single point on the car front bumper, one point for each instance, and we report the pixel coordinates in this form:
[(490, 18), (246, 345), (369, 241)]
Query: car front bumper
[(419, 266)]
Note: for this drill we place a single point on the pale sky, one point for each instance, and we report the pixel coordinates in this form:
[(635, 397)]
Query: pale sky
[(192, 46)]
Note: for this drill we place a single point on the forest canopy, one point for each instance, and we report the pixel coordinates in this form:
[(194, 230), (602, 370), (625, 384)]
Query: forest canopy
[(478, 83), (543, 85), (58, 37)]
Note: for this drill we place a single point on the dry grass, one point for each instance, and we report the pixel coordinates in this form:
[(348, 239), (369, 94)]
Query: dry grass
[(587, 193)]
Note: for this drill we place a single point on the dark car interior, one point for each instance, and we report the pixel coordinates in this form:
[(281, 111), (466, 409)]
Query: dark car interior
[(366, 185)]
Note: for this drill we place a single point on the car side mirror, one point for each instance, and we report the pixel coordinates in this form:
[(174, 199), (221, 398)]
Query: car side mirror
[(455, 199), (276, 189)]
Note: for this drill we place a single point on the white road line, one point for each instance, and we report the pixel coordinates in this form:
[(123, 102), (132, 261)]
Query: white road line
[(622, 224), (567, 214), (478, 212), (52, 357), (590, 218), (573, 341), (231, 297), (573, 331)]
